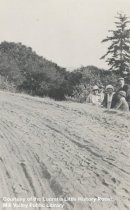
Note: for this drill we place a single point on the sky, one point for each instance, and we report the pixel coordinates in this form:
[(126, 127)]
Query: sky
[(68, 32)]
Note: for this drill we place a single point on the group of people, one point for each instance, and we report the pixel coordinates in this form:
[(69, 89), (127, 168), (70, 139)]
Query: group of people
[(109, 98)]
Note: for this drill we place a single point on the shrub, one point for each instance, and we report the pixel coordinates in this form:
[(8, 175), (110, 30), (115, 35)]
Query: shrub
[(6, 85)]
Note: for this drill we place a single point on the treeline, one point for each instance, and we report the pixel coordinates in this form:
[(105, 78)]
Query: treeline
[(25, 71), (29, 72)]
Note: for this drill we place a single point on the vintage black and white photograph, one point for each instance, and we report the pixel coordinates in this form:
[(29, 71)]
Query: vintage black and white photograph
[(64, 104)]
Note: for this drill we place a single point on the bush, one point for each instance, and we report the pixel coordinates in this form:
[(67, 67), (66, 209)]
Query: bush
[(6, 85)]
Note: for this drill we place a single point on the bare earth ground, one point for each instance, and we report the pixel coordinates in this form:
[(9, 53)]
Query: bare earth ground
[(63, 149)]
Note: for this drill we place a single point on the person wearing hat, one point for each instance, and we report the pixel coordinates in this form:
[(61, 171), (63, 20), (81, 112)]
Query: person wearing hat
[(122, 103), (124, 87), (94, 97), (110, 98)]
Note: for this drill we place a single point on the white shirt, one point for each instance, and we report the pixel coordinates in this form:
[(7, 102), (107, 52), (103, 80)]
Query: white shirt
[(94, 99), (109, 100)]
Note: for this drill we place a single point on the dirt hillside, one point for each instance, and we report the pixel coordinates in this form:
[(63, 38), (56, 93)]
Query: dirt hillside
[(62, 155)]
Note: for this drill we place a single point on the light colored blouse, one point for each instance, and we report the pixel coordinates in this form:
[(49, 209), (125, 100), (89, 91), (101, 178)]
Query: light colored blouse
[(94, 99), (122, 105)]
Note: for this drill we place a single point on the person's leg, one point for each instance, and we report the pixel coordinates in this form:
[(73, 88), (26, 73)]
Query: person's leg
[(129, 105)]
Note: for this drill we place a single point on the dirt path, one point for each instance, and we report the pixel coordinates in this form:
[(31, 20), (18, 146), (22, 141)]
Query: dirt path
[(59, 149)]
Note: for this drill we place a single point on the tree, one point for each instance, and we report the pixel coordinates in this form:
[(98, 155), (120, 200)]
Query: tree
[(118, 54), (30, 72)]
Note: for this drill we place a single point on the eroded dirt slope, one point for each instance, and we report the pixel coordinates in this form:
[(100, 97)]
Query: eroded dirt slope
[(61, 149)]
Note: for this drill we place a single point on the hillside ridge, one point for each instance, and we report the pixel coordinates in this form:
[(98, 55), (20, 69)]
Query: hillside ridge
[(63, 149)]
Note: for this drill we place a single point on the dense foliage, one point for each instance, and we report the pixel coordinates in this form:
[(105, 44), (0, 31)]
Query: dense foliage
[(23, 70), (29, 72)]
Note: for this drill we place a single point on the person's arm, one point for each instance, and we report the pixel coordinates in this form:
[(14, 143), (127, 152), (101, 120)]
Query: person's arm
[(128, 93), (118, 104), (104, 101), (89, 98)]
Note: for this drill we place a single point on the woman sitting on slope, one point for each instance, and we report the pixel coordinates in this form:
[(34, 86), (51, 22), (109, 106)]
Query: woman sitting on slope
[(110, 98), (122, 103), (94, 97)]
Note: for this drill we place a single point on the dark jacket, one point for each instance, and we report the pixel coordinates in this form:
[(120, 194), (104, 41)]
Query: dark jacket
[(126, 88), (113, 102)]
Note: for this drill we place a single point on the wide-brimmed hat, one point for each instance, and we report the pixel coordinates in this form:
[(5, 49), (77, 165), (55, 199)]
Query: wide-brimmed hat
[(95, 87), (122, 93), (109, 87), (120, 78), (101, 86)]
